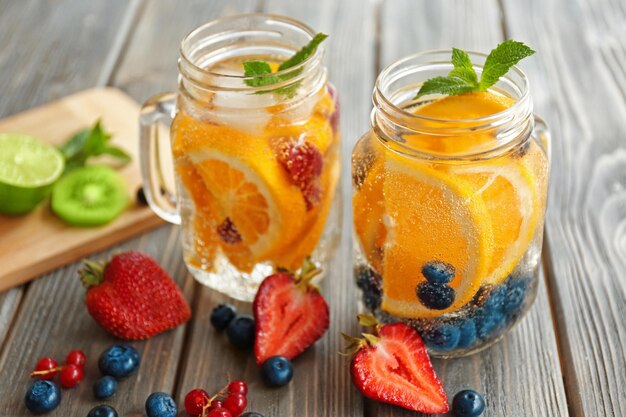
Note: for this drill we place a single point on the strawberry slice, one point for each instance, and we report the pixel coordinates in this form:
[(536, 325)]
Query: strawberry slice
[(290, 314), (394, 367)]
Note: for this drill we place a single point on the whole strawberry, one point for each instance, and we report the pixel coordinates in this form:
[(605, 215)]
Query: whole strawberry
[(132, 297), (392, 366), (290, 314)]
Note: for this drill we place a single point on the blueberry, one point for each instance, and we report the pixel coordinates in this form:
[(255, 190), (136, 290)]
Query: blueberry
[(438, 272), (495, 299), (443, 337), (241, 331), (251, 415), (160, 404), (515, 295), (102, 411), (277, 371), (467, 330), (119, 361), (42, 397), (222, 315), (105, 387), (372, 298), (488, 322), (468, 403), (435, 296)]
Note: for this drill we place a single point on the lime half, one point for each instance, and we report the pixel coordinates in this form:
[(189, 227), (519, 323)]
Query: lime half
[(28, 168)]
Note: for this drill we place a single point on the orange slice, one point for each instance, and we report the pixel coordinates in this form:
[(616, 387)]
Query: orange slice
[(431, 216), (368, 207), (509, 192)]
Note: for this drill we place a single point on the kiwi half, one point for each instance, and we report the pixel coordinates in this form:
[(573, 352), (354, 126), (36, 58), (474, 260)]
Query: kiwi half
[(89, 196)]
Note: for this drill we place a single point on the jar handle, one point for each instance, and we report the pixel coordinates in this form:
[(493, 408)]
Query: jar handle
[(157, 111)]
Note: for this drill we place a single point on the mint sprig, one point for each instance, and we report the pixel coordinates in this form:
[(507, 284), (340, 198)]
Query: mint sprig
[(463, 78), (89, 142), (261, 71)]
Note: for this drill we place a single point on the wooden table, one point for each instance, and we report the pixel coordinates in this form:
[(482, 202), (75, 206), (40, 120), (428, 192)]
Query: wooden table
[(567, 357)]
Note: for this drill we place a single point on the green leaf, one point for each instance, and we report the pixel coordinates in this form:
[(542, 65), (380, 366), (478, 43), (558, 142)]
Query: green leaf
[(500, 60), (305, 52), (463, 79), (261, 70), (463, 67), (87, 143), (445, 85)]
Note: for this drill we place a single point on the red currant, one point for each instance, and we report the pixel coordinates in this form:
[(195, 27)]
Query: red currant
[(76, 357), (71, 375), (195, 401), (220, 412), (46, 364), (236, 404), (238, 387), (216, 404)]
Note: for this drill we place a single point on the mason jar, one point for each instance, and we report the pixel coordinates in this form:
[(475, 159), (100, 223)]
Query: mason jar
[(256, 164), (449, 196)]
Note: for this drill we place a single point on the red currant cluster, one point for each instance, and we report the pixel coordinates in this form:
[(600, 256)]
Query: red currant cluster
[(230, 401), (70, 374)]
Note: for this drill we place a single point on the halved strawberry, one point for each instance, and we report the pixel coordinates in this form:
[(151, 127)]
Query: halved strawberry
[(394, 367), (290, 314)]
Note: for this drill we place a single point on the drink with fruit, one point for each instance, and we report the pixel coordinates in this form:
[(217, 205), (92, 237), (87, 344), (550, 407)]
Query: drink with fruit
[(255, 144), (449, 199)]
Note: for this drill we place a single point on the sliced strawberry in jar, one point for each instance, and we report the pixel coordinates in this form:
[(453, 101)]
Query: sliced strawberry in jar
[(302, 160)]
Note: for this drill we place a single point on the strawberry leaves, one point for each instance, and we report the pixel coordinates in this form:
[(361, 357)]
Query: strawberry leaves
[(463, 78)]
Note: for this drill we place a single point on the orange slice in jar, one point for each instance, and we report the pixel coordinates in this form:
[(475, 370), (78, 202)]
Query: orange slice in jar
[(368, 207), (247, 184), (431, 215), (509, 192)]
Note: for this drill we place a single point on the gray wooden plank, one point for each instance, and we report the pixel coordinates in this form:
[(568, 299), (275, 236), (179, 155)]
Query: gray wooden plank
[(578, 79), (321, 385), (39, 65), (52, 49), (521, 375)]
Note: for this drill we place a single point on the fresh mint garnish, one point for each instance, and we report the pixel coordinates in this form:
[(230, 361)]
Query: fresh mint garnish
[(261, 71), (463, 78), (85, 143)]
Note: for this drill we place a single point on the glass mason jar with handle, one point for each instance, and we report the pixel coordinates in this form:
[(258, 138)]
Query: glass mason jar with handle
[(256, 163), (449, 195)]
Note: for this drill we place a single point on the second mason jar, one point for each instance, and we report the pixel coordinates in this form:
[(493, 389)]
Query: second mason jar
[(449, 194), (256, 159)]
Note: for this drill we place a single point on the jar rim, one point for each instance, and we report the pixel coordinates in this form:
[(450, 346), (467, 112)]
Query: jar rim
[(185, 46), (488, 120)]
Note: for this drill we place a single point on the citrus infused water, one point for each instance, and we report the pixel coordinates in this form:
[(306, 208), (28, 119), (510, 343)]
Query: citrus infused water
[(448, 216), (255, 143), (257, 177)]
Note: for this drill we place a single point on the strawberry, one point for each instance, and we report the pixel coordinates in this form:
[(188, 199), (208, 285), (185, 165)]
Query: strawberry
[(132, 297), (290, 314), (393, 367), (303, 163)]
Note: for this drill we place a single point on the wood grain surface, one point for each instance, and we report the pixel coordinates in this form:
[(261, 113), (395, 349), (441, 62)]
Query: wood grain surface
[(39, 241), (565, 358), (577, 81)]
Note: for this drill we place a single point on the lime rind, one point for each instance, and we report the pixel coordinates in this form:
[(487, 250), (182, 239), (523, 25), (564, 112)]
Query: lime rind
[(27, 162)]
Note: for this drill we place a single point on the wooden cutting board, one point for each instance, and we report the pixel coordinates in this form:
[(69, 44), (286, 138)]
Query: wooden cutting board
[(38, 241)]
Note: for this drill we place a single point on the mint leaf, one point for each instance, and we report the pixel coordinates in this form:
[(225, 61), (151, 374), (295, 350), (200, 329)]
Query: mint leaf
[(260, 70), (463, 67), (500, 61), (446, 85), (305, 52), (463, 79), (87, 143)]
